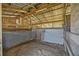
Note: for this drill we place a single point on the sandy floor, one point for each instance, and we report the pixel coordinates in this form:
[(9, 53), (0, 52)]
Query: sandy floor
[(36, 49)]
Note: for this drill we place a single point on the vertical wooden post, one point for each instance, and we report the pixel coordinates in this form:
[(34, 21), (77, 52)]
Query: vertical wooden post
[(0, 29)]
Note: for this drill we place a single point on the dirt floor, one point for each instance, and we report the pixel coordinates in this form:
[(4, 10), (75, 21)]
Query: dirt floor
[(36, 49)]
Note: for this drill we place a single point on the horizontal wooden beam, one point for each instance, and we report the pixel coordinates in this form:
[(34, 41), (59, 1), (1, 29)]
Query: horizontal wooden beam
[(47, 22)]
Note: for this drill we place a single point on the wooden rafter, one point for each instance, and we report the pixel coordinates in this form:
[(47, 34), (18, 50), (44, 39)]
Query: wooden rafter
[(19, 10)]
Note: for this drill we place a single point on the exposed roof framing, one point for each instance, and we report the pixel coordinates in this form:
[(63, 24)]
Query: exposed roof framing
[(36, 17), (35, 13), (21, 10), (13, 8)]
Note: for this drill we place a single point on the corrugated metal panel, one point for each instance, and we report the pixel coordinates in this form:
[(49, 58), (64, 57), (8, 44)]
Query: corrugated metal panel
[(53, 36)]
